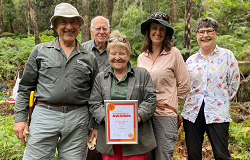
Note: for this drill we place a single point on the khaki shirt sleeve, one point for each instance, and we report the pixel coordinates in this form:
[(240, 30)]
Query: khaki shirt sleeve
[(27, 84)]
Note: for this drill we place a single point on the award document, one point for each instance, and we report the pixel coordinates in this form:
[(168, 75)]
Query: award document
[(121, 121)]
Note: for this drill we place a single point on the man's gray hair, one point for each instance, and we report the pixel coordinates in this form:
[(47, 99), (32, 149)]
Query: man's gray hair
[(207, 22), (91, 24)]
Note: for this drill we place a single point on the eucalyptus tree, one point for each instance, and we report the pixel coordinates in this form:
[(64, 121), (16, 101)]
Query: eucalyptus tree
[(109, 10), (188, 29), (9, 15), (173, 13), (1, 18), (33, 21), (85, 36)]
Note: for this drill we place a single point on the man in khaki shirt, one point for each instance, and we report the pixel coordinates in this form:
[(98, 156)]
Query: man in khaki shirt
[(61, 73)]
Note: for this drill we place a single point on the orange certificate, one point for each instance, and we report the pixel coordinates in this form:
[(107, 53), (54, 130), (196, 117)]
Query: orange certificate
[(121, 121)]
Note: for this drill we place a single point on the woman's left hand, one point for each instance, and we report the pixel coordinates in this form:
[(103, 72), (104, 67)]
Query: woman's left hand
[(94, 134)]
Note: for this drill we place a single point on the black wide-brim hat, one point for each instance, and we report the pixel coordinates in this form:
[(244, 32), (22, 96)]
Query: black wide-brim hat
[(146, 24)]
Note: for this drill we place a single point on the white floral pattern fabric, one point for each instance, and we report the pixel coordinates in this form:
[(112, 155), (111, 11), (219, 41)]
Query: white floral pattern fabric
[(215, 80)]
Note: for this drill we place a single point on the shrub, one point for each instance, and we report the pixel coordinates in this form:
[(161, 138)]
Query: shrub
[(8, 34), (11, 147), (47, 33)]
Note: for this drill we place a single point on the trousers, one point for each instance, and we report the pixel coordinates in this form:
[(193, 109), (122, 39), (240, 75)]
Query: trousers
[(165, 130), (217, 134), (51, 130)]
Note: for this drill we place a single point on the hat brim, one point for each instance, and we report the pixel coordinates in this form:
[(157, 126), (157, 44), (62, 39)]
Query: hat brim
[(53, 18), (146, 24)]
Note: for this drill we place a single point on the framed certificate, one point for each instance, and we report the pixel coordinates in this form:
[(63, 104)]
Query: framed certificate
[(121, 121)]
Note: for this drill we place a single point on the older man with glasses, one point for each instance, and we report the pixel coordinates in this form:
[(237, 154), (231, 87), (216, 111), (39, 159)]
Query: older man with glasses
[(100, 30)]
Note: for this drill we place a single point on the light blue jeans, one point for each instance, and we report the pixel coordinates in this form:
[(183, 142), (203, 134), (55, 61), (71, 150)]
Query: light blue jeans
[(51, 129)]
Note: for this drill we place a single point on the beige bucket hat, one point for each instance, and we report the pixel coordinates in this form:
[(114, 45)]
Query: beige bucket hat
[(65, 10)]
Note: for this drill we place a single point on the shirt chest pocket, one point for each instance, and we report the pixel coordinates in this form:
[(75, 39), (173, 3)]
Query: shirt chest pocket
[(49, 72), (81, 75), (137, 93)]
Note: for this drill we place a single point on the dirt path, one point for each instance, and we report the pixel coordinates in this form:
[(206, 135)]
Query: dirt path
[(6, 109)]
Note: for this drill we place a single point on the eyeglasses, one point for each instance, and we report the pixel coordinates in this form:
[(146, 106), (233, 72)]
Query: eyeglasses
[(98, 29), (209, 32), (160, 16), (120, 39)]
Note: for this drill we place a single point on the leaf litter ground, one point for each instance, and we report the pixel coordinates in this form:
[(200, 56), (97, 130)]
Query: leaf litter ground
[(239, 111)]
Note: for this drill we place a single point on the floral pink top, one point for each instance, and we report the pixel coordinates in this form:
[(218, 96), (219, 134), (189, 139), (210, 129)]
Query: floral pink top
[(215, 80)]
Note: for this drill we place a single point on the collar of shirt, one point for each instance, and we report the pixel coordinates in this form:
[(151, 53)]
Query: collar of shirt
[(164, 52), (215, 52), (93, 47), (111, 70), (55, 43)]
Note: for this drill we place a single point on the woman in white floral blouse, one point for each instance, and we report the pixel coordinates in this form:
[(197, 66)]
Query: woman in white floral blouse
[(214, 75)]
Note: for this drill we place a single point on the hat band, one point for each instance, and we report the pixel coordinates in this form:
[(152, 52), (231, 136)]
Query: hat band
[(164, 17)]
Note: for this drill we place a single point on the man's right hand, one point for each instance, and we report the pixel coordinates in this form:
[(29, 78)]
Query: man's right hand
[(19, 129)]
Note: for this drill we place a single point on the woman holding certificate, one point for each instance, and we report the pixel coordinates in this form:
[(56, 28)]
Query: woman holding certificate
[(122, 81), (167, 69)]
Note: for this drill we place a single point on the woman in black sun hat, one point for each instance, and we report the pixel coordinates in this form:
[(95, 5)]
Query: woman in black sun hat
[(167, 68)]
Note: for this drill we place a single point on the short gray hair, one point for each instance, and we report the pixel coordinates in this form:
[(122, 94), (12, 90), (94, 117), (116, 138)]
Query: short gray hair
[(91, 24), (207, 22)]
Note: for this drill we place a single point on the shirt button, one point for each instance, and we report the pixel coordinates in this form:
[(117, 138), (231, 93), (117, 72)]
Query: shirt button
[(64, 89)]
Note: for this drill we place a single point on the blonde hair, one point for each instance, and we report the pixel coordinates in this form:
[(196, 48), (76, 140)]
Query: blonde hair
[(116, 42)]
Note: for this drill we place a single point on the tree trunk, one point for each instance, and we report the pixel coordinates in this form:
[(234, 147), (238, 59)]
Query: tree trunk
[(173, 13), (33, 22), (187, 37), (1, 18), (86, 15), (11, 26), (27, 15), (99, 10), (109, 9)]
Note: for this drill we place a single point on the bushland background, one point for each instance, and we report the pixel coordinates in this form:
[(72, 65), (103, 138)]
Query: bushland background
[(25, 23)]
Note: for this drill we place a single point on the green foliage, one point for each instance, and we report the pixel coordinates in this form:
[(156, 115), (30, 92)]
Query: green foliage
[(236, 45), (22, 35), (47, 33), (229, 12), (179, 29), (11, 147), (135, 39), (13, 54), (46, 38), (8, 34), (131, 17), (129, 25), (9, 13), (239, 139)]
